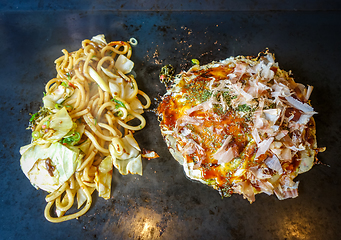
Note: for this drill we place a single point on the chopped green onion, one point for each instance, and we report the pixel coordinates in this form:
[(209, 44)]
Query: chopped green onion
[(58, 106), (118, 103), (64, 84), (195, 61), (33, 117), (65, 141), (76, 136), (68, 76), (38, 116), (72, 140), (69, 107), (118, 114), (36, 134), (244, 108), (133, 41)]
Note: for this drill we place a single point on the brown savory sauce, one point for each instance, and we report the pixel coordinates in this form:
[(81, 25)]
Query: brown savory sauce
[(49, 167)]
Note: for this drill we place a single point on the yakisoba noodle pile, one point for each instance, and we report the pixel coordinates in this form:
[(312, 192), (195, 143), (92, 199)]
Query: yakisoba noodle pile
[(85, 128)]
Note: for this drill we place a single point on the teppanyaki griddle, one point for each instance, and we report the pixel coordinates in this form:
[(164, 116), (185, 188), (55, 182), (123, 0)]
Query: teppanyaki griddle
[(163, 203)]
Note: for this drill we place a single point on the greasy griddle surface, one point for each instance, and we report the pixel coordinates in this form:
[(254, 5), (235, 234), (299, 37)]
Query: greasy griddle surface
[(163, 203)]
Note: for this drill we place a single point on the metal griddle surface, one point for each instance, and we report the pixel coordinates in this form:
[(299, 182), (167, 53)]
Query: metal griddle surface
[(163, 203)]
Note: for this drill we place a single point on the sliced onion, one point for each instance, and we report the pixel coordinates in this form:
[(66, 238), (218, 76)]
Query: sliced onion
[(102, 84)]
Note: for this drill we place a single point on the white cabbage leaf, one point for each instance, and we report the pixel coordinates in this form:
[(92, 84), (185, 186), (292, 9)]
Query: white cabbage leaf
[(131, 165), (63, 159), (50, 100), (124, 64), (136, 105), (130, 161), (116, 85), (103, 177), (128, 90), (60, 124), (85, 146), (99, 39), (115, 90), (81, 196)]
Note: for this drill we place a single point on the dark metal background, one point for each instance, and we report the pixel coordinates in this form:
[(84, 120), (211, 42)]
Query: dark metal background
[(163, 204)]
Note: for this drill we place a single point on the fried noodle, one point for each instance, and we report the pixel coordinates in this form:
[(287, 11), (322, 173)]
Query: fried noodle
[(95, 86)]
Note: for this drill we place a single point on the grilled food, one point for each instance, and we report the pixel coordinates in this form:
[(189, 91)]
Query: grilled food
[(241, 125)]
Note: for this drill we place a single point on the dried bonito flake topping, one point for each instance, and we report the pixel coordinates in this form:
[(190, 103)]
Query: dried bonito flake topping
[(241, 125)]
